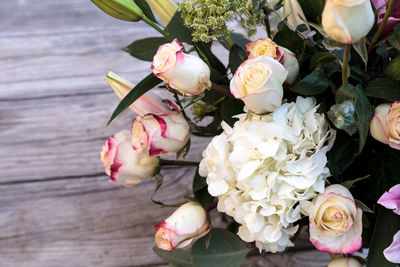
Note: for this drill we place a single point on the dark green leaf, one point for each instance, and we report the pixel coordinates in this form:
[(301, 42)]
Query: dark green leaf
[(386, 225), (394, 39), (224, 250), (321, 58), (228, 108), (361, 49), (144, 6), (313, 84), (200, 190), (384, 89), (313, 9), (145, 49), (204, 51), (240, 40), (345, 92), (142, 87), (177, 257), (178, 30), (289, 39), (236, 57), (392, 70), (342, 154)]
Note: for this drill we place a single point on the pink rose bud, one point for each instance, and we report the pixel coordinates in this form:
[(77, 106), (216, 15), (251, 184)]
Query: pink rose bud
[(187, 223), (385, 125), (347, 21), (124, 165), (266, 47), (147, 103), (187, 74), (345, 262), (163, 133), (335, 221), (258, 82)]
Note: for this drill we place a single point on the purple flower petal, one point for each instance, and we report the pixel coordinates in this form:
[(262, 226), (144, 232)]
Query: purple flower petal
[(392, 253), (391, 199)]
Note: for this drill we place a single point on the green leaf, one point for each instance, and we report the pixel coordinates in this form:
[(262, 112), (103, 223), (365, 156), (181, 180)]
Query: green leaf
[(386, 225), (290, 40), (240, 40), (204, 51), (178, 30), (321, 58), (230, 107), (200, 190), (144, 6), (384, 89), (145, 49), (312, 9), (394, 38), (361, 49), (392, 70), (224, 250), (236, 57), (313, 84), (176, 257), (342, 154), (141, 88)]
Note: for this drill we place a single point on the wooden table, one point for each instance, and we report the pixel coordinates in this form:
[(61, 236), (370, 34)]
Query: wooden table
[(56, 206)]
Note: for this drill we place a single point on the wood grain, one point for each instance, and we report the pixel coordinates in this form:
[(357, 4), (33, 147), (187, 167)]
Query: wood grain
[(56, 206)]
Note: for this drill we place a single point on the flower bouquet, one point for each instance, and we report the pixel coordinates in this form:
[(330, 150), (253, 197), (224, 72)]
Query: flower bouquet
[(305, 125)]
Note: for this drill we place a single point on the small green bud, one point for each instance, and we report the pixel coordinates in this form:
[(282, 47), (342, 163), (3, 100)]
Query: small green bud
[(120, 9)]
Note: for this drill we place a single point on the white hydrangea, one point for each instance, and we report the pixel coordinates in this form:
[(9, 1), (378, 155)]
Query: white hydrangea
[(262, 167)]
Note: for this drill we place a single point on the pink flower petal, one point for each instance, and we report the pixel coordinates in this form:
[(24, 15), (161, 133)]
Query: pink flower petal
[(391, 199), (392, 253)]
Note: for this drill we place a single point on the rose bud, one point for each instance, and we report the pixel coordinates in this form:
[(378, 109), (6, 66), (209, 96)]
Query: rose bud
[(123, 164), (347, 21), (258, 82), (165, 9), (266, 47), (147, 103), (160, 133), (120, 9), (187, 74), (187, 223), (385, 125), (345, 262), (335, 221)]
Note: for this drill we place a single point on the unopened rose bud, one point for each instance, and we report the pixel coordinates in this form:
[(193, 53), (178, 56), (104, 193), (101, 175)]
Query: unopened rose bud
[(160, 134), (347, 21), (123, 164), (385, 125), (258, 82), (187, 223), (266, 47), (187, 74), (345, 262), (165, 9), (120, 9)]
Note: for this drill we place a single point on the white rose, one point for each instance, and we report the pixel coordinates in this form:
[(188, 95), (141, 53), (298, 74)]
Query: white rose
[(347, 21), (123, 164), (385, 125), (187, 223), (258, 82), (187, 74)]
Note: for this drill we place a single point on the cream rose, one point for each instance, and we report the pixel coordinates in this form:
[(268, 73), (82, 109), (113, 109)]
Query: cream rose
[(187, 74), (258, 82), (385, 125), (162, 133), (123, 164), (345, 262), (347, 21), (186, 224), (266, 47), (335, 221)]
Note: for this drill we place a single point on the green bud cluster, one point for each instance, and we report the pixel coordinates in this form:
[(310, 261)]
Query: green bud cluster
[(208, 18)]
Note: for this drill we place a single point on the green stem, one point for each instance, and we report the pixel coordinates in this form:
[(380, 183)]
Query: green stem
[(166, 162), (345, 65), (157, 28), (378, 33)]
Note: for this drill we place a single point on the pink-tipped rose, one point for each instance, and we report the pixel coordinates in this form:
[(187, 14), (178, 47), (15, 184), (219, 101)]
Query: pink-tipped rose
[(385, 125), (187, 223), (160, 133), (266, 47), (258, 82), (345, 262), (123, 164), (187, 74), (393, 19), (335, 221), (391, 200)]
